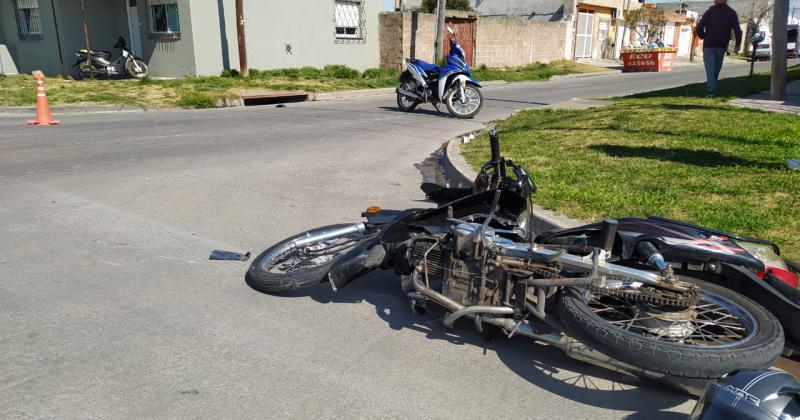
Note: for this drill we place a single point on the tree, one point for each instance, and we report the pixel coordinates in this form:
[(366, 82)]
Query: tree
[(429, 6), (647, 22), (755, 15)]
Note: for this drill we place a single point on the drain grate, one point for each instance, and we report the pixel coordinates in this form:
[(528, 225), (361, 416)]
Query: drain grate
[(273, 98)]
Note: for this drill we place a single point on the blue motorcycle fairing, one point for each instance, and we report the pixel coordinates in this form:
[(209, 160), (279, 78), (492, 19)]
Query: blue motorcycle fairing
[(458, 62)]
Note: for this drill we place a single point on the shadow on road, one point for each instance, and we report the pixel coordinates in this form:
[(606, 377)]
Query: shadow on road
[(418, 110), (542, 366)]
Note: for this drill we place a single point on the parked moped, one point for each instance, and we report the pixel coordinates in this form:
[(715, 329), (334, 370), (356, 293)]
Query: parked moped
[(101, 64)]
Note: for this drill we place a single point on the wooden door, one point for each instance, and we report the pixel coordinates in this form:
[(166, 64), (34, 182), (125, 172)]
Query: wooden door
[(465, 36)]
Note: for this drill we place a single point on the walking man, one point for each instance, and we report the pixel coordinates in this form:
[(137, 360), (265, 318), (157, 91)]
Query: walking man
[(715, 30)]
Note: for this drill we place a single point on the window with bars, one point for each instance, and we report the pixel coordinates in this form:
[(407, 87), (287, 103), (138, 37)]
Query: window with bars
[(164, 17), (348, 18), (29, 22)]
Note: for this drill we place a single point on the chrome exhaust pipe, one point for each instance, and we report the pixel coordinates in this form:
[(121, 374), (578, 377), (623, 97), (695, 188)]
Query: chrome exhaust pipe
[(408, 93), (429, 293), (571, 347), (357, 227), (451, 318)]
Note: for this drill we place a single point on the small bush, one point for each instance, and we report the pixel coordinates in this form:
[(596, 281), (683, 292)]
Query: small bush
[(338, 71), (230, 73), (196, 100), (309, 73), (429, 6), (380, 73)]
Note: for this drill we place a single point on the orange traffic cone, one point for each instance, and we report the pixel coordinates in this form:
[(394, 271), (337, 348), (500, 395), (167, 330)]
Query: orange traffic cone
[(43, 116)]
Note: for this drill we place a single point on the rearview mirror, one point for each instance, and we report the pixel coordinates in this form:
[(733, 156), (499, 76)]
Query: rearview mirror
[(449, 29)]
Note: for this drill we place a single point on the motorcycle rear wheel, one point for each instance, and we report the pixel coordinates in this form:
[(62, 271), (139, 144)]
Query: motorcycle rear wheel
[(282, 268), (728, 332), (404, 102)]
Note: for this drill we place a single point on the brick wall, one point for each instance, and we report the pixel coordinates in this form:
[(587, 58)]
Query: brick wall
[(511, 42), (390, 38), (499, 42)]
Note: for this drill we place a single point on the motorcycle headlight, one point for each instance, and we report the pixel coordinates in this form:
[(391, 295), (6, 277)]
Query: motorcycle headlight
[(765, 253)]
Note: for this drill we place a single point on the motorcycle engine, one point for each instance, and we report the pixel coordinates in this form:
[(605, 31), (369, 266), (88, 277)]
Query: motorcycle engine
[(466, 283)]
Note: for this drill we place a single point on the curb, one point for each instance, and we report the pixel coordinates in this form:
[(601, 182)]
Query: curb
[(582, 75), (457, 169), (71, 109)]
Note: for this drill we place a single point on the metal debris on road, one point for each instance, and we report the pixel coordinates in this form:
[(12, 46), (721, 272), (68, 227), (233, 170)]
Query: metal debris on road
[(228, 256)]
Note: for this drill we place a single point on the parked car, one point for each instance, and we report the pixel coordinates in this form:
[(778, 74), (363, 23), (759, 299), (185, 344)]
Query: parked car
[(763, 51)]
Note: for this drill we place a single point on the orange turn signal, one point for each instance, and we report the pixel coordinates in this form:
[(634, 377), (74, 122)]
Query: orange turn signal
[(373, 209)]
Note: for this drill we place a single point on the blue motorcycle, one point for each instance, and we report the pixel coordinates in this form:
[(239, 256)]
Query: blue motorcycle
[(452, 84)]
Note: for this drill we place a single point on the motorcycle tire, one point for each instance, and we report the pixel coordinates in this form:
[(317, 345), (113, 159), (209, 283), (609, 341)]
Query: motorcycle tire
[(406, 82), (762, 346), (264, 276), (131, 65), (451, 107)]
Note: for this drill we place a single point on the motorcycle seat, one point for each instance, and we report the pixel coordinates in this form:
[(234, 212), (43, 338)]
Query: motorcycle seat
[(427, 67)]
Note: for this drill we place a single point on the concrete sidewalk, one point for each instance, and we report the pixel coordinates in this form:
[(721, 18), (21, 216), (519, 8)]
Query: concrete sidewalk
[(761, 100)]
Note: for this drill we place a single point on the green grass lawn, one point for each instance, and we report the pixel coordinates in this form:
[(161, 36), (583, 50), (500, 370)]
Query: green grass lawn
[(668, 153), (204, 92)]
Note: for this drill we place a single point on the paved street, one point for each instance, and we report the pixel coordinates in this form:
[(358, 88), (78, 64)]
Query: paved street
[(109, 306)]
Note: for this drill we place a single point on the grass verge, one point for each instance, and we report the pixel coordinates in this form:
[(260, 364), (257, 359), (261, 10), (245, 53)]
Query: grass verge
[(668, 153), (206, 92)]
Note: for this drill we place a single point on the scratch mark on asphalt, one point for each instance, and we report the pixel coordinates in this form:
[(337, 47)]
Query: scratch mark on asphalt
[(178, 259)]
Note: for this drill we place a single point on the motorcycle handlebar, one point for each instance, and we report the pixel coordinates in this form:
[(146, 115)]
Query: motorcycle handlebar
[(494, 141)]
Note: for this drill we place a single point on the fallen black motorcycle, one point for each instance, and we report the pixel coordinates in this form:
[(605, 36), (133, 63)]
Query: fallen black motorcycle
[(605, 293)]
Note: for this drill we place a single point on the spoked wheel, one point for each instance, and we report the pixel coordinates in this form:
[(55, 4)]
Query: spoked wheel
[(285, 267), (464, 106), (137, 69), (721, 332), (404, 102)]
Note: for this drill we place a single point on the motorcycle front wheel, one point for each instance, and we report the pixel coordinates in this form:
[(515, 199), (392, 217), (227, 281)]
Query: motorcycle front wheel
[(722, 333), (283, 267), (468, 106), (137, 69)]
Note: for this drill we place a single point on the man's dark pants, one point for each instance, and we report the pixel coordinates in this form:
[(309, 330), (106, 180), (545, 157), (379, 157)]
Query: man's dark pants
[(712, 58)]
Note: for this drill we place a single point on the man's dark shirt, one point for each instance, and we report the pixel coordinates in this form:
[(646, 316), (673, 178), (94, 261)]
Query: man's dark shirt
[(716, 25)]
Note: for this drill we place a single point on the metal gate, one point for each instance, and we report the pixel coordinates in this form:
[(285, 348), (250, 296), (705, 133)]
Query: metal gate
[(583, 37), (465, 36)]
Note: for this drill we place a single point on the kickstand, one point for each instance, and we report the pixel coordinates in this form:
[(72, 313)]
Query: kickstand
[(437, 107)]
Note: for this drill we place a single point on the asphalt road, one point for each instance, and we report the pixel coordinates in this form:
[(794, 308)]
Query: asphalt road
[(109, 306)]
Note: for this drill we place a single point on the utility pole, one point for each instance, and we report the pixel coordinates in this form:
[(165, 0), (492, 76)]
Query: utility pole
[(58, 39), (780, 14), (243, 69), (86, 41), (439, 45)]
